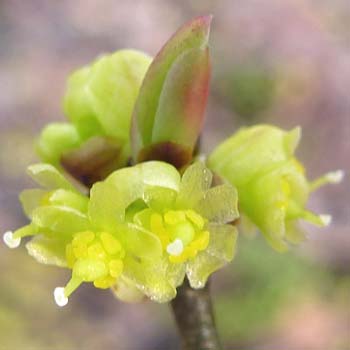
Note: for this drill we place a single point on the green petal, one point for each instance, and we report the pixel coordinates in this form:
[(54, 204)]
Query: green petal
[(159, 174), (77, 106), (199, 269), (69, 199), (106, 207), (195, 181), (159, 198), (31, 199), (151, 277), (291, 140), (219, 204), (222, 241), (114, 85), (294, 233), (249, 152), (220, 251), (139, 242), (60, 219), (263, 201), (132, 182), (55, 140), (49, 177), (125, 290), (48, 250)]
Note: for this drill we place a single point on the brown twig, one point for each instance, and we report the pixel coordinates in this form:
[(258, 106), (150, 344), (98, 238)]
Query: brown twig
[(195, 319)]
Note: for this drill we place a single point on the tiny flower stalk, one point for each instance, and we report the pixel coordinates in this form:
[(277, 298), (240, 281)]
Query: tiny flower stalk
[(140, 232), (98, 102), (169, 110), (271, 183)]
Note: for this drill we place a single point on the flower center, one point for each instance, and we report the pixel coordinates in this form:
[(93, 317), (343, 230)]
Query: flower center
[(181, 232), (94, 257)]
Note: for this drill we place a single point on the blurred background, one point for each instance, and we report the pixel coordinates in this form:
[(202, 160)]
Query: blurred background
[(282, 62)]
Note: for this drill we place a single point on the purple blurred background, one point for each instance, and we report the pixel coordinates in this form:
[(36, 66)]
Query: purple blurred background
[(282, 62)]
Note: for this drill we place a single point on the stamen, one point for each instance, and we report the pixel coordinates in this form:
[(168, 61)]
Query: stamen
[(60, 297), (326, 219), (335, 177), (175, 248), (10, 241)]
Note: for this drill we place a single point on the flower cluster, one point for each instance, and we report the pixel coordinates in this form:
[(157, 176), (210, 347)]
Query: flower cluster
[(271, 183), (141, 230)]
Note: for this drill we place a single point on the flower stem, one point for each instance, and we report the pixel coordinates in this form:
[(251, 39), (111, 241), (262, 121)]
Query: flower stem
[(194, 317)]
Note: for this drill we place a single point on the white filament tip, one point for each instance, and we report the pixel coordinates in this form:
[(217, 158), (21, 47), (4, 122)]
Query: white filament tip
[(175, 248), (60, 297), (10, 241), (335, 177), (326, 219)]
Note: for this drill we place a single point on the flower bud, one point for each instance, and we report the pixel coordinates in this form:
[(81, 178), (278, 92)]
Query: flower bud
[(271, 183), (98, 102), (100, 98), (169, 110)]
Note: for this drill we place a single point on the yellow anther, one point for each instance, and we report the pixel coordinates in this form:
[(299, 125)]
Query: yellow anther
[(90, 269), (156, 223), (173, 217), (104, 282), (110, 243), (96, 251), (80, 250), (85, 237), (195, 218), (157, 227), (203, 240), (285, 187), (115, 268), (178, 259)]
